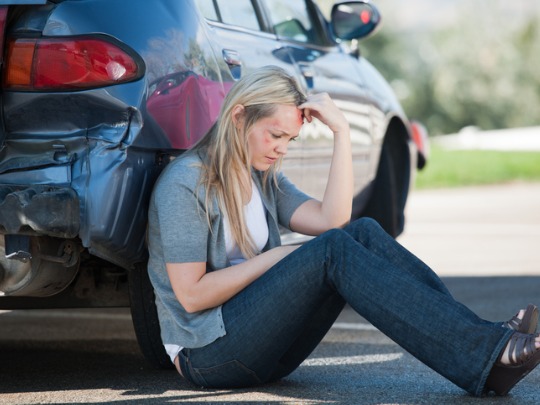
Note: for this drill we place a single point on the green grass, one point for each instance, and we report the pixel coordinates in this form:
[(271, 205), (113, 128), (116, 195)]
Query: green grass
[(456, 168)]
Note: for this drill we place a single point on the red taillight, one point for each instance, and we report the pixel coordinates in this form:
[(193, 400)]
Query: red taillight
[(67, 64), (420, 138), (3, 19)]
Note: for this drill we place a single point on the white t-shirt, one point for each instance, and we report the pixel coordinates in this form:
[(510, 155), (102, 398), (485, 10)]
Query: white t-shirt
[(258, 228)]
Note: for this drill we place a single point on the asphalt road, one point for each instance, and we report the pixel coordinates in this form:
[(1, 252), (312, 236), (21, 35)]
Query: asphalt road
[(483, 242)]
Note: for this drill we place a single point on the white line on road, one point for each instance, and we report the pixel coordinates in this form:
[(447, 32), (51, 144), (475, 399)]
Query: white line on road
[(349, 360), (354, 326)]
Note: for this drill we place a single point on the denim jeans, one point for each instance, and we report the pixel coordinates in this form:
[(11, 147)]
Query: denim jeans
[(277, 321)]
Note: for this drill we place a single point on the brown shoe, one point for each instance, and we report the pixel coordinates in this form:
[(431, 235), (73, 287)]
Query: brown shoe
[(523, 356)]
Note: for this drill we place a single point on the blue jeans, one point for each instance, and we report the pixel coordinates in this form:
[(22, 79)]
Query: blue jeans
[(276, 322)]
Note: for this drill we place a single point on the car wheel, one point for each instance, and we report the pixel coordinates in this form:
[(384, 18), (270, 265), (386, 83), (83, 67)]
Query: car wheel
[(145, 318), (390, 188)]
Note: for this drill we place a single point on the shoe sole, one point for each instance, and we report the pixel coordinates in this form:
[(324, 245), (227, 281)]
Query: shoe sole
[(503, 378)]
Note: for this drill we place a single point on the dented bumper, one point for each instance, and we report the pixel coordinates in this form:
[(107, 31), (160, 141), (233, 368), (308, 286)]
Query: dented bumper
[(39, 210)]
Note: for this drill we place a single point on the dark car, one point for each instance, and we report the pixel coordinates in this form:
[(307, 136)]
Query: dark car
[(99, 95)]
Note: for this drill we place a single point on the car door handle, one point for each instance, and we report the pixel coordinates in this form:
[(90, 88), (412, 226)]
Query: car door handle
[(232, 59), (306, 69)]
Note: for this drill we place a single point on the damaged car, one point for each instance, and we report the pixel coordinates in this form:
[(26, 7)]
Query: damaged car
[(99, 95)]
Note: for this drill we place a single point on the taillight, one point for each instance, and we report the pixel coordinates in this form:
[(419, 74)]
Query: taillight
[(67, 64), (420, 138), (3, 19)]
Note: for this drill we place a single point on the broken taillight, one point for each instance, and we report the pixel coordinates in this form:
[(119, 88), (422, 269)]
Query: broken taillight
[(67, 64)]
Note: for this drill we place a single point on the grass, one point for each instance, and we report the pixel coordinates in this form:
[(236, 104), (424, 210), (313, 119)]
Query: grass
[(456, 168)]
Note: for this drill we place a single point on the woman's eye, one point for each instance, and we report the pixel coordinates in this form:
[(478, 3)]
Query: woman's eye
[(293, 139), (276, 136)]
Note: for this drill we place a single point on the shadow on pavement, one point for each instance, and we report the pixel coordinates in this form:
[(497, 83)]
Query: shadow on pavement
[(38, 365)]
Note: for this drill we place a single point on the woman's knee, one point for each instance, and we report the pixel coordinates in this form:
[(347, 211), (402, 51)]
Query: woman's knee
[(363, 228), (367, 223), (335, 235), (334, 241)]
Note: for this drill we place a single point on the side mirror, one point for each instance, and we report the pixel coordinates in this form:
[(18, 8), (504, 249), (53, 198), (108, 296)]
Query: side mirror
[(354, 19)]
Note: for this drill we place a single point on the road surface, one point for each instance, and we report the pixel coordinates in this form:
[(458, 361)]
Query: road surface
[(484, 242)]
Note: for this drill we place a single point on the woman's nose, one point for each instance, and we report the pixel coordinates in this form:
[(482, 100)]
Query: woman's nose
[(281, 148)]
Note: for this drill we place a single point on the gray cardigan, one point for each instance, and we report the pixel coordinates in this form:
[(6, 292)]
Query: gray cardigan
[(178, 232)]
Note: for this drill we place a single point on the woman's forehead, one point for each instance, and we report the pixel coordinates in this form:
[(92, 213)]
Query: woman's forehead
[(286, 118)]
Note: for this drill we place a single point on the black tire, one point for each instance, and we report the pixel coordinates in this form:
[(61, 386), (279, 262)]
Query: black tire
[(386, 204), (145, 318)]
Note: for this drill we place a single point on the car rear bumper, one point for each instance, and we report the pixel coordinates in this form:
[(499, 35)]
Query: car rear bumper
[(39, 210)]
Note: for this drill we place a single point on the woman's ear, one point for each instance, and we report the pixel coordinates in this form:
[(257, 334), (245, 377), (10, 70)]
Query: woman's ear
[(237, 115)]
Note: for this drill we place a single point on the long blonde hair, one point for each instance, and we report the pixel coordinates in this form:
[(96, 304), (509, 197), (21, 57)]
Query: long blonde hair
[(226, 173)]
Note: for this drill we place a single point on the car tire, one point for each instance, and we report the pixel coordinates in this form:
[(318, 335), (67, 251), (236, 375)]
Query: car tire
[(390, 188), (145, 318)]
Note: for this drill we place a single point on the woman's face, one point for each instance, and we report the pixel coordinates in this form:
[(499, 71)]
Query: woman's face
[(269, 137)]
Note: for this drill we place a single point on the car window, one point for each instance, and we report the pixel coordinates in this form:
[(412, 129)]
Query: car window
[(238, 12), (291, 20), (207, 9)]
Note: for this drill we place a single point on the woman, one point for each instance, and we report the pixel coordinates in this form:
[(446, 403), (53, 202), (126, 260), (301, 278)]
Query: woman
[(237, 309)]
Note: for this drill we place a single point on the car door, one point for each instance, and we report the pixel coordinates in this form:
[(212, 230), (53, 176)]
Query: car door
[(239, 33), (324, 66)]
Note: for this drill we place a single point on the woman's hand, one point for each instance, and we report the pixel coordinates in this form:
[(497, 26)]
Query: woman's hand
[(315, 217), (322, 107)]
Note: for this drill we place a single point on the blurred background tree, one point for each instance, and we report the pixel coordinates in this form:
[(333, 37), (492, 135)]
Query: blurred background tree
[(460, 63)]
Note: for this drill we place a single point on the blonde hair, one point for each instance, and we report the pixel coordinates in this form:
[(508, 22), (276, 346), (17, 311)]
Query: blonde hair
[(226, 173)]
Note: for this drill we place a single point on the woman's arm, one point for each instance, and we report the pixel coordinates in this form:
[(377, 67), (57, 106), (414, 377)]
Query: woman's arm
[(198, 290), (315, 217)]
